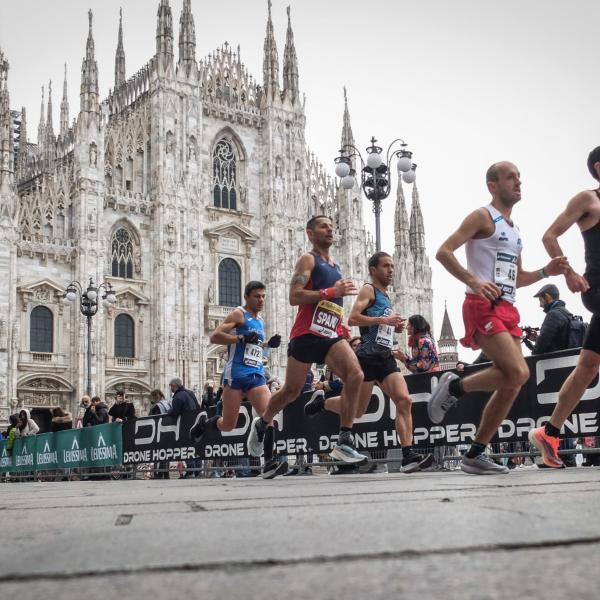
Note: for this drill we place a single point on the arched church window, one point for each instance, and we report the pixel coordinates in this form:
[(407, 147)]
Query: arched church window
[(224, 175), (41, 330), (124, 337), (122, 254), (230, 283)]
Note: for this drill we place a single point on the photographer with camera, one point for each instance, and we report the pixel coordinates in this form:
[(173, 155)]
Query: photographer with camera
[(559, 331)]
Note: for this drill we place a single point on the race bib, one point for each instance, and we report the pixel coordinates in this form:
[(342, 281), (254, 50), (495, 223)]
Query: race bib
[(506, 274), (253, 355), (326, 319), (385, 336)]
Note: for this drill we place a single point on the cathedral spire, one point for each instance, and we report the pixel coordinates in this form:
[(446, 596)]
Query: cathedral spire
[(447, 334), (187, 39), (164, 34), (120, 55), (290, 63), (89, 76), (270, 60), (7, 162), (41, 127), (347, 135), (401, 224), (417, 229), (49, 125), (22, 155), (64, 109)]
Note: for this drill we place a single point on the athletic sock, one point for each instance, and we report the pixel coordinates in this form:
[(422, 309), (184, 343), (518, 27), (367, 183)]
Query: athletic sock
[(456, 388), (475, 450), (551, 430), (406, 450), (345, 436), (268, 443), (261, 425)]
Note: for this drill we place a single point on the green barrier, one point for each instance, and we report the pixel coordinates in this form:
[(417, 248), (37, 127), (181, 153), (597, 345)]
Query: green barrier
[(99, 446)]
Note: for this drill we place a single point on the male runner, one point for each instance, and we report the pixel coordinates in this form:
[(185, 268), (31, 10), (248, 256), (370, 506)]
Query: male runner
[(243, 333), (373, 313), (494, 271), (317, 336), (583, 209)]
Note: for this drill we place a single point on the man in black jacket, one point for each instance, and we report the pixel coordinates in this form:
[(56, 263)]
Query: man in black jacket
[(121, 410), (96, 414), (554, 332), (183, 400)]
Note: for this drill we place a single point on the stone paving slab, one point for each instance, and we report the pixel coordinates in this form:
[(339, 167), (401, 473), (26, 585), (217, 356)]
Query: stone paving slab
[(439, 535)]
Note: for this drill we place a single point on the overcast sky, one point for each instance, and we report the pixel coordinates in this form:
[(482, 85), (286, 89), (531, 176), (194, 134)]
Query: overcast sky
[(466, 83)]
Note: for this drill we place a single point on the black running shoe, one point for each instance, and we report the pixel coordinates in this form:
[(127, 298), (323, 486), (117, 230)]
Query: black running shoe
[(316, 403), (274, 468), (416, 462), (197, 431)]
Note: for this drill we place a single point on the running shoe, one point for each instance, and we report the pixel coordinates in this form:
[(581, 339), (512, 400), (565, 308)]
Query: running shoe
[(548, 447), (274, 468), (316, 403), (347, 453), (416, 462), (441, 401), (482, 464), (256, 437), (197, 431)]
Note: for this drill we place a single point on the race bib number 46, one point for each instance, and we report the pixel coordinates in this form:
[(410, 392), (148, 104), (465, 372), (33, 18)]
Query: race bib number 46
[(326, 319), (506, 273), (253, 355)]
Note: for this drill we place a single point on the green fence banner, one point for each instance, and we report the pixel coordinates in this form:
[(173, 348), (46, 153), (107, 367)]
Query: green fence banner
[(99, 446)]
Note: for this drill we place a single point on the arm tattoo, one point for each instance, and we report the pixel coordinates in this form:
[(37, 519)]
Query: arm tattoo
[(299, 279)]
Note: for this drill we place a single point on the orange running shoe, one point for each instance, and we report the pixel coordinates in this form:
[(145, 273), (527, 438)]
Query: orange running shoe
[(548, 446)]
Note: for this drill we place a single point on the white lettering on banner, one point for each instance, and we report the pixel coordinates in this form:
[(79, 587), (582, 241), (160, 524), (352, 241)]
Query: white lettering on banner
[(464, 432), (44, 458), (367, 439), (423, 396), (136, 456), (156, 427), (70, 456), (374, 416), (561, 362), (326, 442), (291, 446), (104, 453), (24, 460), (390, 438), (507, 429), (224, 450), (524, 424), (173, 453)]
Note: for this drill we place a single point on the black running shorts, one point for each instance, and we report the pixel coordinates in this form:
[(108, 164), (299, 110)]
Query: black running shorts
[(591, 300), (377, 368), (310, 348)]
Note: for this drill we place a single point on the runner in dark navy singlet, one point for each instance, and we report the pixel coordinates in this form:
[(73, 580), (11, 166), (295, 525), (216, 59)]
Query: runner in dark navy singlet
[(583, 209), (317, 336)]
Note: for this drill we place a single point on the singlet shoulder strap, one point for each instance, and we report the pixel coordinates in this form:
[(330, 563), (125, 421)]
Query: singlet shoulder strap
[(494, 213)]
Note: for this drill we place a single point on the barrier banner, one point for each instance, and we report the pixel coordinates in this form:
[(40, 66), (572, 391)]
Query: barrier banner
[(99, 446), (152, 439)]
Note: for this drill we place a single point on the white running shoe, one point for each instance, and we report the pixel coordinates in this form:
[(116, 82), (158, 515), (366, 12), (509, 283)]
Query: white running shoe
[(255, 438), (441, 401), (482, 465)]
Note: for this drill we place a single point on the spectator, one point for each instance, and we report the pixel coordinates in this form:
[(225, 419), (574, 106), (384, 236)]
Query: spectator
[(355, 342), (61, 419), (83, 410), (554, 332), (208, 397), (12, 431), (98, 413), (460, 368), (160, 406), (27, 426), (423, 356), (183, 400), (121, 410)]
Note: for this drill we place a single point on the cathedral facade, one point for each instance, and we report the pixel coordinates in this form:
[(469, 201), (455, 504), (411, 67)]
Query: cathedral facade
[(189, 180)]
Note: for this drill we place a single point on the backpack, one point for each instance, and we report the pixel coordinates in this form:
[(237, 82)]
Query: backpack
[(575, 330)]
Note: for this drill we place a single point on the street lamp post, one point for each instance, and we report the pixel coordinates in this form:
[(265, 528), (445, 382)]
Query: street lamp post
[(375, 173), (88, 305)]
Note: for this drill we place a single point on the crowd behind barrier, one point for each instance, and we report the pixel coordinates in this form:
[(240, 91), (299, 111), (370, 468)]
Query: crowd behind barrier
[(153, 443)]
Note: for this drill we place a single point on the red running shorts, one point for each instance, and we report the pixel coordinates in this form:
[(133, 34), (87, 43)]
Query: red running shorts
[(481, 315)]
